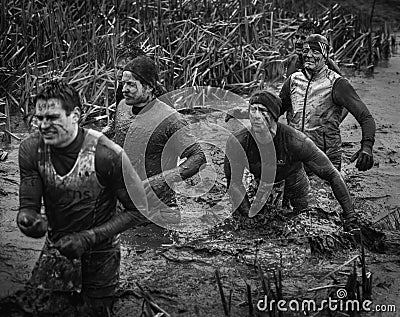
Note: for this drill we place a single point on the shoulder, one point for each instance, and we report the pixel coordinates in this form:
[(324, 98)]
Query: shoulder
[(31, 142), (286, 132), (333, 66), (107, 149), (241, 135)]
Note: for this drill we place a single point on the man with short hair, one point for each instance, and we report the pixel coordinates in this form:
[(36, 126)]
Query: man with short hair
[(268, 138), (155, 136), (80, 174)]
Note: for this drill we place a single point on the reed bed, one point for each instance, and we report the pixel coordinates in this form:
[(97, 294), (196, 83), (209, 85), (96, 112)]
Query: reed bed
[(232, 44)]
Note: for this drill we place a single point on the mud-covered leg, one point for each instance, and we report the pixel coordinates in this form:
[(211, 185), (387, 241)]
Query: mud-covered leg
[(100, 276)]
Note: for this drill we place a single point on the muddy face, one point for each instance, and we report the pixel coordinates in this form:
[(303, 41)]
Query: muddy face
[(119, 67), (313, 59), (299, 39), (135, 93), (262, 123), (57, 128)]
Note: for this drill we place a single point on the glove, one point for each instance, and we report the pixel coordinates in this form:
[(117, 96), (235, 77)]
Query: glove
[(365, 159), (75, 244), (31, 223)]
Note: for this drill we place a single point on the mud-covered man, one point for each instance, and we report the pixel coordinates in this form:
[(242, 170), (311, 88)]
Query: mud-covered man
[(295, 62), (80, 174), (293, 150), (124, 56), (155, 139), (314, 99)]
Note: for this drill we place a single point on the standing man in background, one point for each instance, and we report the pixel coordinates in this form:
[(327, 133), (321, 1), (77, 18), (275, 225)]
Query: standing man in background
[(314, 100)]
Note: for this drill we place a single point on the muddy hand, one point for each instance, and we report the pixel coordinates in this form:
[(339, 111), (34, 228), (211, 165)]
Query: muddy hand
[(365, 159), (31, 223), (74, 245)]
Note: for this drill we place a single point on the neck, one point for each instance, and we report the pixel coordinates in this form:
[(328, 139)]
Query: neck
[(312, 72), (139, 107), (71, 139), (266, 137)]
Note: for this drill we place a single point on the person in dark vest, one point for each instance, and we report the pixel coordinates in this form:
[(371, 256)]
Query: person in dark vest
[(155, 136), (80, 175), (268, 139)]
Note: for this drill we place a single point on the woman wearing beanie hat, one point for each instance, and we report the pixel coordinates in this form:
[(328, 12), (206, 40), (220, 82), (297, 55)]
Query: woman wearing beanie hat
[(269, 142)]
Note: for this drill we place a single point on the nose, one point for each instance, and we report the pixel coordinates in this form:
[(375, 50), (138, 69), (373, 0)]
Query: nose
[(258, 115), (44, 124)]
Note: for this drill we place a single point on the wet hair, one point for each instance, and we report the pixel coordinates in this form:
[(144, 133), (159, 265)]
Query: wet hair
[(309, 27), (58, 89)]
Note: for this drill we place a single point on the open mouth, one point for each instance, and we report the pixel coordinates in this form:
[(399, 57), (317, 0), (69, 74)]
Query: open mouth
[(48, 134)]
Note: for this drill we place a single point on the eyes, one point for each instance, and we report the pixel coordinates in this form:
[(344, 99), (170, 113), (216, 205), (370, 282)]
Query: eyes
[(262, 110), (314, 52), (48, 117), (300, 37)]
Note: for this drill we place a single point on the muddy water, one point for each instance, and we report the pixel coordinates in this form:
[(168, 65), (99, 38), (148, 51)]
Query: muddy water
[(181, 277)]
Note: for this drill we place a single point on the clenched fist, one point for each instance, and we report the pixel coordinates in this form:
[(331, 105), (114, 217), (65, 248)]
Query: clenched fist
[(32, 223)]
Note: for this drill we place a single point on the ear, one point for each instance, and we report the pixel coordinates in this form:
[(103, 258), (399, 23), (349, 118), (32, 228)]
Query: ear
[(76, 114)]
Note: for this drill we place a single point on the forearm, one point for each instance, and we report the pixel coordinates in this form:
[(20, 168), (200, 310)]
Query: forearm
[(329, 173), (319, 164), (187, 169), (339, 188), (122, 221), (239, 198), (30, 193)]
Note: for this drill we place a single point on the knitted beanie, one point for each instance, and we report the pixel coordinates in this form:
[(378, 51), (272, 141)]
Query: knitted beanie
[(270, 100), (144, 69)]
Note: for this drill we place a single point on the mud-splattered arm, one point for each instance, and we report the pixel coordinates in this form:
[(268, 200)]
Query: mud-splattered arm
[(234, 165), (29, 219), (180, 140), (343, 94), (116, 173), (31, 186), (316, 160)]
